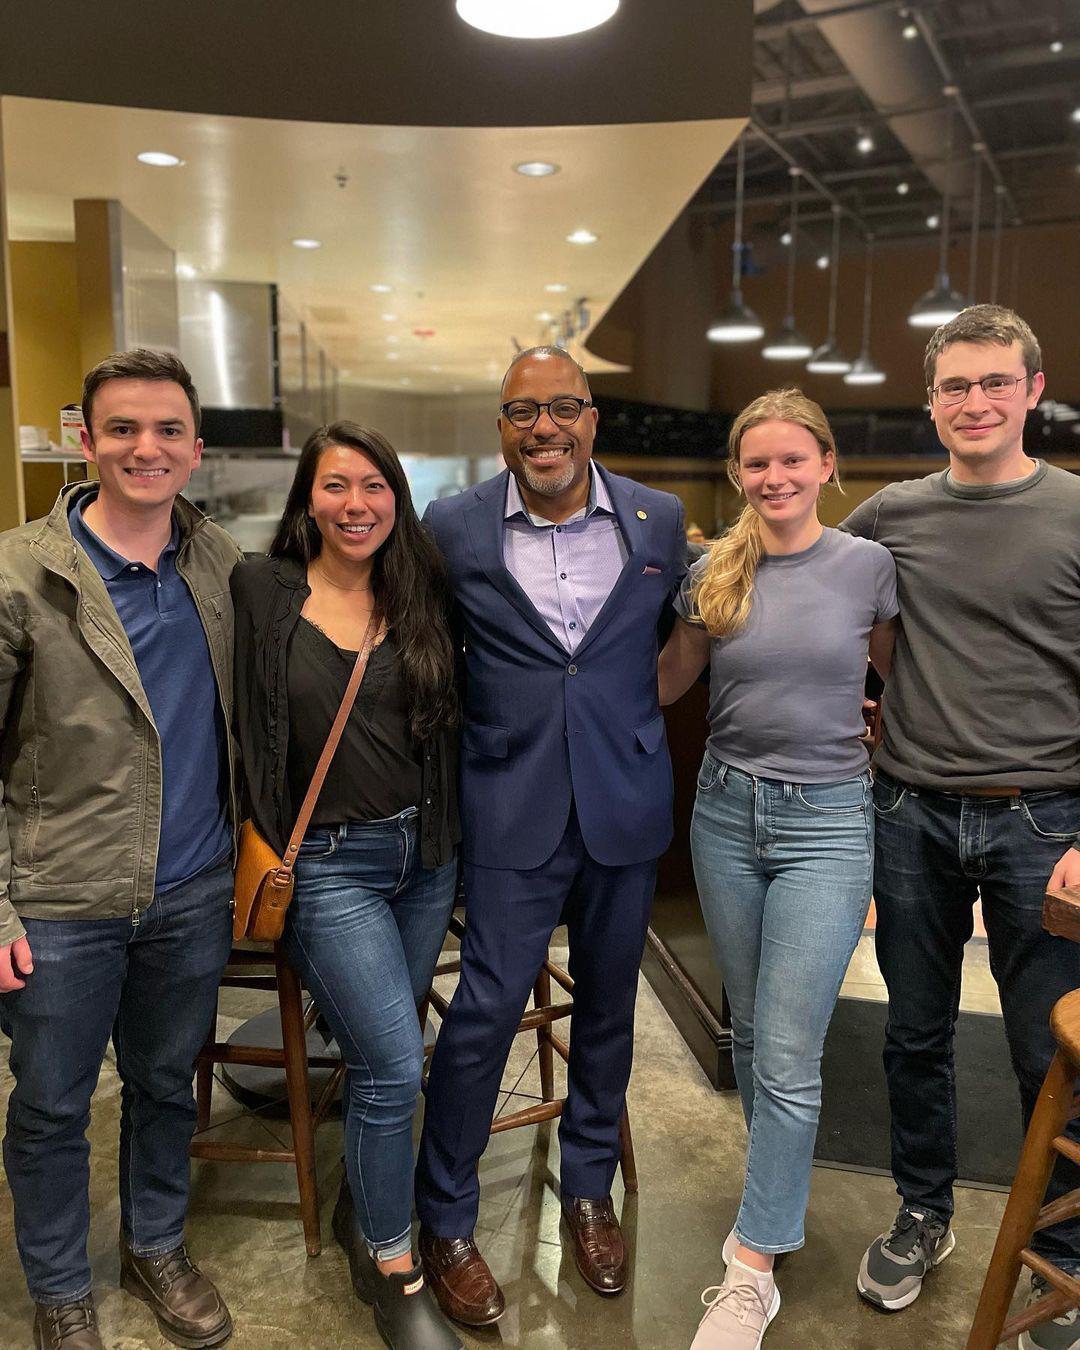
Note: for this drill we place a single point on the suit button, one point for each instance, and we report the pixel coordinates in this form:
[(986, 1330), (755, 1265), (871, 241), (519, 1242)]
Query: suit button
[(571, 670)]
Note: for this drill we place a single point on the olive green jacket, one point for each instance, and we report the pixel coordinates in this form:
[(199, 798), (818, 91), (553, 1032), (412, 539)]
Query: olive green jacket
[(80, 756)]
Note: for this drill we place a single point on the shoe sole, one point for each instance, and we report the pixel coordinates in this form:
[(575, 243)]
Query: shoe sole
[(774, 1308), (132, 1286), (905, 1300)]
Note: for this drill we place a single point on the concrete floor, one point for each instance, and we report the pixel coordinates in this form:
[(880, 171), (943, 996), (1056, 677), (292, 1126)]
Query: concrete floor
[(245, 1233)]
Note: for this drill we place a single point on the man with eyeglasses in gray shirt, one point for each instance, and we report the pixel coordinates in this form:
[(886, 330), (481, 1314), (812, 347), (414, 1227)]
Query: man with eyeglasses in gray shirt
[(977, 779)]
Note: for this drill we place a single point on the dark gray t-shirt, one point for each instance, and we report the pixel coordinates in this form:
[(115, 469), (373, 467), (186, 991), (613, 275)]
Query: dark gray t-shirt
[(785, 692), (985, 685)]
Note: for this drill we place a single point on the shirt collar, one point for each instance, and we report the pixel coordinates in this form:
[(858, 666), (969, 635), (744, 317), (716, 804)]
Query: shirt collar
[(106, 560), (599, 502)]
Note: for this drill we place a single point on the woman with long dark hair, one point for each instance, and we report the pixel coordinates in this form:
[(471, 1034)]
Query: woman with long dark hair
[(376, 872), (783, 610)]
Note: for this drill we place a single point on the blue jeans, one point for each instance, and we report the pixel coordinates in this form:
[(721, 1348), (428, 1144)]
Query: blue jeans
[(364, 932), (936, 853), (153, 986), (783, 872)]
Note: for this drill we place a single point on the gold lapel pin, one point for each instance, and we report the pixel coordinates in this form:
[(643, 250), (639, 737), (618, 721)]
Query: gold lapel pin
[(643, 515)]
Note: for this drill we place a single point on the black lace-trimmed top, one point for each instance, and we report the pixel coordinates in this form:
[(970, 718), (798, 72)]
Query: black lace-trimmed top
[(376, 771)]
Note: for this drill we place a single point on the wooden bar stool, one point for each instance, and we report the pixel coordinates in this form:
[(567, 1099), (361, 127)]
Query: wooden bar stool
[(539, 1019), (257, 967), (1025, 1212)]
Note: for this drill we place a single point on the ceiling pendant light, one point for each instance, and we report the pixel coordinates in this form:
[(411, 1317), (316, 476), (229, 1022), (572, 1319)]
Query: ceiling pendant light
[(738, 323), (790, 345), (995, 252), (976, 212), (863, 371), (828, 359), (535, 18), (941, 303)]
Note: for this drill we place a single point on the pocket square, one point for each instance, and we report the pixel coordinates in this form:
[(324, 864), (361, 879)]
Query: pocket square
[(648, 571)]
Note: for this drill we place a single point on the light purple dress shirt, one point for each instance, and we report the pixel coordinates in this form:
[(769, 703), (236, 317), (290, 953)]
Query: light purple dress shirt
[(566, 570)]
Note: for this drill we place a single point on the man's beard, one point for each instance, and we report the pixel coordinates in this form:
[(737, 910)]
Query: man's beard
[(546, 485)]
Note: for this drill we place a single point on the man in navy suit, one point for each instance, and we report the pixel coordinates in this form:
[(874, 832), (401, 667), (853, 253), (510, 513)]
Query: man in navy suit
[(561, 571)]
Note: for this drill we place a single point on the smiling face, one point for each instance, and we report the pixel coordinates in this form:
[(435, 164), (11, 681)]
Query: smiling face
[(142, 439), (984, 436), (352, 505), (782, 469), (548, 461)]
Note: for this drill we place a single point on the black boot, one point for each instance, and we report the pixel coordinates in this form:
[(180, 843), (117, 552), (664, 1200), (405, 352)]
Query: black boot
[(407, 1316), (365, 1274)]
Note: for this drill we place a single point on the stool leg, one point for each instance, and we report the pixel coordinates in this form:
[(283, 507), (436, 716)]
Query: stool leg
[(1052, 1112), (546, 1053), (627, 1161), (294, 1045)]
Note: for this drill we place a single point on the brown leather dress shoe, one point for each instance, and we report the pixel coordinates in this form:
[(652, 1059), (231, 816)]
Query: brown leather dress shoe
[(68, 1326), (189, 1310), (599, 1249), (460, 1279)]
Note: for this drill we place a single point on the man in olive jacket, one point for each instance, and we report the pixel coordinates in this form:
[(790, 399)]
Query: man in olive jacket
[(116, 796)]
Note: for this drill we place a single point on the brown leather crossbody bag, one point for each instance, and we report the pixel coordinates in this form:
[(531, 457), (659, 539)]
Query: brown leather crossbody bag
[(263, 883)]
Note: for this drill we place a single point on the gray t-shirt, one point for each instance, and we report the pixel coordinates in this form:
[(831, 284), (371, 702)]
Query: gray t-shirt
[(985, 684), (785, 692)]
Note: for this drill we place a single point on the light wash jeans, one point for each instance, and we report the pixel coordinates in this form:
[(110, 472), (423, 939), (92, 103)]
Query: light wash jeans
[(364, 931), (784, 873)]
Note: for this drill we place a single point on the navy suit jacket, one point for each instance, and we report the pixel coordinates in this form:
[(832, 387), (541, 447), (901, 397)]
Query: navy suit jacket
[(542, 726)]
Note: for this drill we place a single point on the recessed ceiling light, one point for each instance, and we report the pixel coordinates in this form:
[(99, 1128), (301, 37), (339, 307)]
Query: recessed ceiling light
[(186, 271), (405, 380), (823, 261), (910, 32), (903, 188), (865, 144), (380, 288), (545, 316), (785, 238), (160, 159), (388, 318), (393, 356), (434, 369), (536, 168), (392, 337), (555, 287), (536, 18), (584, 236), (1057, 46), (1074, 116), (307, 243), (932, 222)]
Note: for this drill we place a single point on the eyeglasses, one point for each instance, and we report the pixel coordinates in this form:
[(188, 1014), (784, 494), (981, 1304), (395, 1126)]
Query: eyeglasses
[(993, 386), (524, 413)]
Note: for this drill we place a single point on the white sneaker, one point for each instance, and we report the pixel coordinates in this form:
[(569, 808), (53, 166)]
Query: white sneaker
[(737, 1311)]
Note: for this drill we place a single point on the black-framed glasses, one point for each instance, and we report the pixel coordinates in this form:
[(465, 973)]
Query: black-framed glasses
[(524, 413), (993, 386)]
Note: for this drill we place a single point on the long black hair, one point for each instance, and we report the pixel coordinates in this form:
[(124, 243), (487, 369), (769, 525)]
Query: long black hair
[(408, 578)]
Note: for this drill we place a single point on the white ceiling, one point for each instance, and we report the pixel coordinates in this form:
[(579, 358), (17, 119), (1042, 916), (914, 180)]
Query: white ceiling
[(436, 212)]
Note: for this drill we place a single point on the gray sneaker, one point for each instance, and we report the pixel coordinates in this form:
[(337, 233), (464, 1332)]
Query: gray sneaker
[(1063, 1333), (895, 1263)]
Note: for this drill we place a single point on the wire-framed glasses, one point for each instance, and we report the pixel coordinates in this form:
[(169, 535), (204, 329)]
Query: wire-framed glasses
[(993, 386)]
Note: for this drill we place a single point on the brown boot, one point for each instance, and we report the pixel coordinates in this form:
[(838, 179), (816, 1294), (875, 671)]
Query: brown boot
[(189, 1310), (68, 1326)]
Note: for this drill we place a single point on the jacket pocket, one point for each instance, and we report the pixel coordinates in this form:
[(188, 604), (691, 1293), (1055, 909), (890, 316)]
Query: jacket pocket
[(651, 736), (482, 740)]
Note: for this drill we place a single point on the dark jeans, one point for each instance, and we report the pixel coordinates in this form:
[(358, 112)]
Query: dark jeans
[(153, 986), (364, 931), (937, 853)]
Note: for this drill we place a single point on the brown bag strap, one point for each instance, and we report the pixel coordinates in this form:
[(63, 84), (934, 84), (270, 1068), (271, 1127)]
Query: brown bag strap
[(371, 634)]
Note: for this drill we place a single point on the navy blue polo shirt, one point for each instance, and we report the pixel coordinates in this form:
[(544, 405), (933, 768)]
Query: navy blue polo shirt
[(169, 644)]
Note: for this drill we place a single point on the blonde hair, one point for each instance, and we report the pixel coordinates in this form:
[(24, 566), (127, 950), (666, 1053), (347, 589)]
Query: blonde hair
[(722, 597)]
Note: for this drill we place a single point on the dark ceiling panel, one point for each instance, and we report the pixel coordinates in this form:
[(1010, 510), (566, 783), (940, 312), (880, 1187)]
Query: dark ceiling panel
[(389, 62)]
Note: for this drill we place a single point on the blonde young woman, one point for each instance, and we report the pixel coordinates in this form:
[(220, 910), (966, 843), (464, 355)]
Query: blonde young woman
[(784, 610)]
